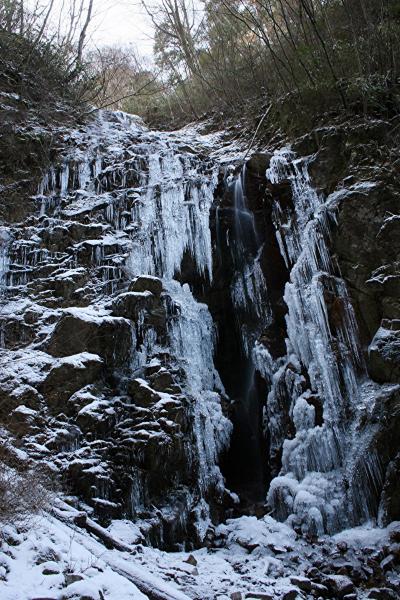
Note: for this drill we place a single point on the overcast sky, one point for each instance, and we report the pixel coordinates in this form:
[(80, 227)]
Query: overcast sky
[(121, 22)]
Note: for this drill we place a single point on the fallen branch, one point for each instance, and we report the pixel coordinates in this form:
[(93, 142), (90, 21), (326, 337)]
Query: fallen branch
[(151, 586), (257, 130)]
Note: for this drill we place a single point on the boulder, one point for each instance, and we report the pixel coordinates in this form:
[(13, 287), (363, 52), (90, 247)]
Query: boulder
[(23, 420), (384, 355), (69, 375), (145, 283), (339, 585), (382, 594), (141, 393), (131, 304), (84, 330)]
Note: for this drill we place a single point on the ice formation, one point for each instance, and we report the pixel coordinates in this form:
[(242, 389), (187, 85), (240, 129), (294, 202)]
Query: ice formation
[(316, 488)]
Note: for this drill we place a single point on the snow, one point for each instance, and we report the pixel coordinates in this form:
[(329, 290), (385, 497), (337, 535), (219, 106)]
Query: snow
[(331, 354), (50, 538)]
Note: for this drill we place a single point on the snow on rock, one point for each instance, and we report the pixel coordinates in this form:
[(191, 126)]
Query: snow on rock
[(109, 350), (318, 461)]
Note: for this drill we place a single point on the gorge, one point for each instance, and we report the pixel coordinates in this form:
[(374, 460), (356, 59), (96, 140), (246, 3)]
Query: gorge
[(204, 343)]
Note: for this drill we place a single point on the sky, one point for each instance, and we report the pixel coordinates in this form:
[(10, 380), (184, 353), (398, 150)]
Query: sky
[(121, 22), (115, 22)]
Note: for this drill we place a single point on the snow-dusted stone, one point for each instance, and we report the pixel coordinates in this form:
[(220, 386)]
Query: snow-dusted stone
[(382, 593), (142, 394), (340, 585), (85, 330), (51, 568), (23, 420), (68, 375), (145, 283), (384, 355), (303, 583), (98, 417), (65, 283), (81, 590), (132, 305)]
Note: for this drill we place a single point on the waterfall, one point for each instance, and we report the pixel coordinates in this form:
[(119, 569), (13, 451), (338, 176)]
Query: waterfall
[(4, 256), (172, 217), (248, 287), (316, 488), (153, 202)]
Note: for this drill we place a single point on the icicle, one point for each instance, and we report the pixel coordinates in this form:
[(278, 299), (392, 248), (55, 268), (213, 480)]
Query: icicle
[(174, 218), (332, 359), (192, 340)]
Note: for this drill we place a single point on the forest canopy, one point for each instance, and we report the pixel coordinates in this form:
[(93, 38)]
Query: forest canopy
[(294, 58)]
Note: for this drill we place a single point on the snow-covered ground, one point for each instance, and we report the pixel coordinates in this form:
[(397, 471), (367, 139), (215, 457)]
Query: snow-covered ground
[(249, 558)]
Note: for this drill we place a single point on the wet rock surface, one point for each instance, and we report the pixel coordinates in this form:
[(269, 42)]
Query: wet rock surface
[(143, 280)]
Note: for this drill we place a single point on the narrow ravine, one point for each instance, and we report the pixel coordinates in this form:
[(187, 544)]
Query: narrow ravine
[(181, 350)]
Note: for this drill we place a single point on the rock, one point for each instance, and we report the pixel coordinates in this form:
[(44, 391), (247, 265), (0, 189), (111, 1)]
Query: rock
[(162, 380), (342, 547), (259, 596), (301, 582), (47, 554), (340, 585), (318, 590), (394, 534), (382, 594), (23, 420), (290, 595), (51, 568), (388, 563), (65, 283), (236, 596), (82, 330), (132, 304), (384, 356), (97, 416), (72, 578), (69, 375), (147, 283), (191, 560), (141, 393)]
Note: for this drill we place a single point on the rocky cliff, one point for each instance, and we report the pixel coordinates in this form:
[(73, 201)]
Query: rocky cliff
[(184, 336)]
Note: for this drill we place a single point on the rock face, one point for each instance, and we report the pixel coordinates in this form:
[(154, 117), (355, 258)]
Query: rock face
[(135, 254), (331, 411), (107, 366)]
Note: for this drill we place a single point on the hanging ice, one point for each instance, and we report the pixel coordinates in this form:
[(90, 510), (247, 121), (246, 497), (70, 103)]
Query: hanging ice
[(192, 340), (323, 342)]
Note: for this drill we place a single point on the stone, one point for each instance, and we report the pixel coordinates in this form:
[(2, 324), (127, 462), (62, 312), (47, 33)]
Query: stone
[(394, 534), (388, 563), (259, 596), (340, 585), (147, 283), (384, 356), (72, 578), (82, 330), (132, 304), (318, 590), (141, 393), (302, 583), (342, 547), (69, 375), (290, 595), (51, 568), (23, 420), (162, 380), (382, 594), (236, 596), (191, 560)]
